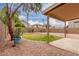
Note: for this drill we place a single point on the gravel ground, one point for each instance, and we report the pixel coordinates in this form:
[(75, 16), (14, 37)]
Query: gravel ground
[(31, 48)]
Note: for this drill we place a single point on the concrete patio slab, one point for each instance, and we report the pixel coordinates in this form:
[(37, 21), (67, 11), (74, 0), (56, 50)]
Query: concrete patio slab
[(67, 44)]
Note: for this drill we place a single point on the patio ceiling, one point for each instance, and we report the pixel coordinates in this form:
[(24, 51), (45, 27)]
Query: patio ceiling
[(63, 11)]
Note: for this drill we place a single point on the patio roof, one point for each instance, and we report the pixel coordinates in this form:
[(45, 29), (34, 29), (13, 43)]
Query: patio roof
[(63, 11)]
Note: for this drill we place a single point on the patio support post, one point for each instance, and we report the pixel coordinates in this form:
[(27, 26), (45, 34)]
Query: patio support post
[(48, 26), (65, 29)]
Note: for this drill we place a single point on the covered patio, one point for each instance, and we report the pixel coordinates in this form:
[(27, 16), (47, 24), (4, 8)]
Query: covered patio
[(65, 12)]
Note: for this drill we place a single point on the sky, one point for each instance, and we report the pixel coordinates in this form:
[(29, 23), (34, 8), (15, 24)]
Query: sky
[(39, 18), (36, 18), (42, 19)]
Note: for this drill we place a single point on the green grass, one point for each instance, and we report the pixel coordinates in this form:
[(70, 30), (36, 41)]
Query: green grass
[(40, 37)]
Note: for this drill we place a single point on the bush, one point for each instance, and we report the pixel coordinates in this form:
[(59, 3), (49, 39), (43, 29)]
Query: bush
[(18, 32), (19, 25)]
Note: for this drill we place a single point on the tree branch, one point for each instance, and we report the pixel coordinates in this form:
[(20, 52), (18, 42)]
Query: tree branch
[(16, 10), (7, 11)]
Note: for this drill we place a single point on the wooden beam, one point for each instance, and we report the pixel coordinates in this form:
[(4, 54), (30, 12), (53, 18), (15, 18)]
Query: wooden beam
[(65, 29), (46, 13), (47, 25)]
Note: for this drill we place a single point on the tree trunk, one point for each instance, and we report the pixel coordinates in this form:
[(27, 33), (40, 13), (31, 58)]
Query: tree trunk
[(9, 22), (9, 19), (27, 19), (10, 28)]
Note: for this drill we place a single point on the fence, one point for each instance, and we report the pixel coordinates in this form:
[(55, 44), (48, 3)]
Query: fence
[(3, 32), (68, 30)]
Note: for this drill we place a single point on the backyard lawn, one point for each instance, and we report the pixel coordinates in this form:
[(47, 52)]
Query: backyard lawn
[(40, 37)]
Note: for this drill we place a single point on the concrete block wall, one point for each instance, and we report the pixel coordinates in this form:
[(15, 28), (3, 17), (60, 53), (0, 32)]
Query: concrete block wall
[(3, 32)]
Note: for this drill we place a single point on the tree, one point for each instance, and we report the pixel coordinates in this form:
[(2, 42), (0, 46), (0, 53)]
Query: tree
[(9, 13), (17, 22), (31, 7)]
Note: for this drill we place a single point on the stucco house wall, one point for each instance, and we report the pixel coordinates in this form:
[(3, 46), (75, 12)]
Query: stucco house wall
[(73, 24)]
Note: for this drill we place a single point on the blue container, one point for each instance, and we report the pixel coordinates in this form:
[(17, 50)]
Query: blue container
[(17, 40)]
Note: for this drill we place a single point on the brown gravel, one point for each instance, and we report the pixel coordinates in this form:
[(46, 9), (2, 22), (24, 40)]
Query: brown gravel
[(31, 48)]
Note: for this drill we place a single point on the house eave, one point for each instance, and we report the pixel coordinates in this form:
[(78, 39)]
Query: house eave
[(50, 7)]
